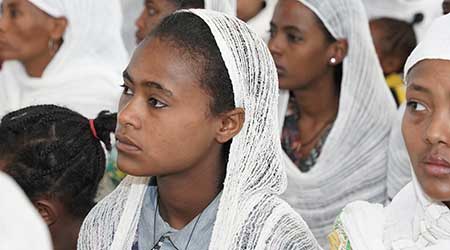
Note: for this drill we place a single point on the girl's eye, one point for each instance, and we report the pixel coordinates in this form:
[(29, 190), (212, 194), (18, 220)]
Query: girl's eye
[(151, 11), (294, 38), (415, 106), (272, 32), (126, 90), (156, 103)]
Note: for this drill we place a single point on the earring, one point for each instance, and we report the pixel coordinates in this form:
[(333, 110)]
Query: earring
[(333, 60), (52, 46)]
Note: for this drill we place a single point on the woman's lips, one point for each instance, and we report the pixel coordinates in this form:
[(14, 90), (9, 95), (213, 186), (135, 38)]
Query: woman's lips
[(436, 165), (124, 144), (280, 70)]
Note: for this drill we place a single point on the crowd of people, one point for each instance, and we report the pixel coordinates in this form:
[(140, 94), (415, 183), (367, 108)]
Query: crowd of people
[(225, 124)]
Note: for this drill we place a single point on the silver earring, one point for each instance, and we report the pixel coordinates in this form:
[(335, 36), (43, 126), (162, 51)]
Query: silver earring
[(51, 44), (333, 60)]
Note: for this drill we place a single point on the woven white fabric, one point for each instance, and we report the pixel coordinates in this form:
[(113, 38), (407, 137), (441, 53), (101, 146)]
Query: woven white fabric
[(85, 73), (399, 165), (21, 226), (412, 221), (250, 214), (224, 6), (352, 164), (405, 10)]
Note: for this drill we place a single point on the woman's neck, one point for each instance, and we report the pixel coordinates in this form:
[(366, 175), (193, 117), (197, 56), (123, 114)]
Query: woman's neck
[(35, 66), (319, 101), (185, 195)]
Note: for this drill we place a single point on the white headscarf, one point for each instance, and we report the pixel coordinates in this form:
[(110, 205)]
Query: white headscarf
[(352, 164), (21, 226), (405, 10), (85, 73), (261, 22), (250, 215), (412, 221), (224, 6)]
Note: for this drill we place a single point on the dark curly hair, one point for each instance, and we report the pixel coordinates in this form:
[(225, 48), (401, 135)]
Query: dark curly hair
[(190, 34), (50, 151)]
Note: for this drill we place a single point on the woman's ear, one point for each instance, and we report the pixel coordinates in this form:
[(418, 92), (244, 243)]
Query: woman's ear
[(58, 28), (338, 51), (231, 123), (47, 209)]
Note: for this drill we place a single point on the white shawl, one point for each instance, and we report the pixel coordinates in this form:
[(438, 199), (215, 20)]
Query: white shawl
[(405, 10), (261, 22), (250, 214), (21, 226), (85, 73), (412, 221), (352, 164)]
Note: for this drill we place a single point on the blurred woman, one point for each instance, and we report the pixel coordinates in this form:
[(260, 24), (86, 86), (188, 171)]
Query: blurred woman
[(335, 108), (61, 52)]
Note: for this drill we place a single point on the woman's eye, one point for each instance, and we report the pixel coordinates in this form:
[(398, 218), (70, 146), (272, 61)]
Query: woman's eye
[(151, 11), (415, 106), (13, 13), (294, 38), (156, 103), (271, 32), (126, 90)]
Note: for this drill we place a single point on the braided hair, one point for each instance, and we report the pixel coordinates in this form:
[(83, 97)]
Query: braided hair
[(51, 151)]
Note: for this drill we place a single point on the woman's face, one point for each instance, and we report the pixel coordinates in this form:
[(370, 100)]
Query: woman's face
[(164, 124), (153, 13), (24, 31), (298, 45), (426, 126)]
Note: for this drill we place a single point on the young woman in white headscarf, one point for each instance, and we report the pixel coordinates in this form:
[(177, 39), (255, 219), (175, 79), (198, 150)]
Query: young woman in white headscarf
[(335, 108), (63, 52), (210, 175), (419, 216)]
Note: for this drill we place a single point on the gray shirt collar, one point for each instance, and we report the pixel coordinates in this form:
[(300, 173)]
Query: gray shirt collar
[(179, 238)]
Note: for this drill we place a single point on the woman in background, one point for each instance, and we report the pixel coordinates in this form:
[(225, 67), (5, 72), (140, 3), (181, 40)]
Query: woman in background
[(63, 52), (335, 108)]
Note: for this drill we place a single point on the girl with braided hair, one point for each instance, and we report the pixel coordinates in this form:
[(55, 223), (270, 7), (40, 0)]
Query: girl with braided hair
[(56, 156)]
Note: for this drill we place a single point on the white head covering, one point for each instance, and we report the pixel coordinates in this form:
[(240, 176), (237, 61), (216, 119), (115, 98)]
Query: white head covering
[(352, 164), (224, 6), (261, 22), (399, 165), (85, 73), (412, 221), (250, 215), (21, 226), (405, 10)]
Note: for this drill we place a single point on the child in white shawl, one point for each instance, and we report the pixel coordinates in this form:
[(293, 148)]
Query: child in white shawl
[(63, 52), (419, 216), (335, 130), (214, 151)]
